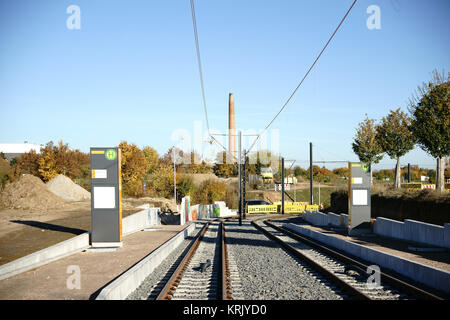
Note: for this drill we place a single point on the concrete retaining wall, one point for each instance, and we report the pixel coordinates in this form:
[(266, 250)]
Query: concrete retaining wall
[(140, 220), (409, 230), (344, 220), (134, 222), (334, 219), (324, 219), (389, 228), (424, 233), (123, 286), (317, 218), (427, 275), (447, 235), (415, 231), (44, 256)]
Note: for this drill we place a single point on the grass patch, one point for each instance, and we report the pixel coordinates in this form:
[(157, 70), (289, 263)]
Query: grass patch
[(303, 195)]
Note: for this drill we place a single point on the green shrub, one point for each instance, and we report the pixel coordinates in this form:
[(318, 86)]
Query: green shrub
[(412, 185), (185, 186), (209, 191), (133, 188)]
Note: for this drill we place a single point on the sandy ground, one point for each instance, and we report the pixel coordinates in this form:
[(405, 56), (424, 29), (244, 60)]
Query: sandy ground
[(96, 269), (23, 232)]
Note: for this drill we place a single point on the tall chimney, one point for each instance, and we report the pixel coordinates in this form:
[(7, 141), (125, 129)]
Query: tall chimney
[(231, 127)]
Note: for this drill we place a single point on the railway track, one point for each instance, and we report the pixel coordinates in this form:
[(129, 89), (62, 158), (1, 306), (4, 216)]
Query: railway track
[(346, 273), (204, 272)]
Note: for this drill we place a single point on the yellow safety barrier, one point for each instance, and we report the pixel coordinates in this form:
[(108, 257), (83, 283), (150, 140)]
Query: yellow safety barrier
[(289, 203), (293, 208), (312, 207), (262, 209), (289, 207)]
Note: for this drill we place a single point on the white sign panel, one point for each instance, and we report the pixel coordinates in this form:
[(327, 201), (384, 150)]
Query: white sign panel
[(286, 186), (100, 174), (359, 197), (104, 198)]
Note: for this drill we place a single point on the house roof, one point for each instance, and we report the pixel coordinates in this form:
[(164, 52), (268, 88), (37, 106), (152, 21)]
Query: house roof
[(19, 147)]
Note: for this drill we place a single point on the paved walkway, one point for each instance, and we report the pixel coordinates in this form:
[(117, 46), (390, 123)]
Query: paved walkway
[(440, 260), (96, 269)]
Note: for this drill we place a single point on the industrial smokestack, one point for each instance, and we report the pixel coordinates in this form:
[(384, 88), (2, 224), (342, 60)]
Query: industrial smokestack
[(231, 126)]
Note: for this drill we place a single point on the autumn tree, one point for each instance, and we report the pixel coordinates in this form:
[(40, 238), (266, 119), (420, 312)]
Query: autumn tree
[(341, 172), (134, 168), (161, 180), (28, 162), (59, 159), (167, 158), (151, 157), (210, 191), (395, 138), (430, 111), (224, 167), (5, 172), (299, 171), (193, 163), (365, 145)]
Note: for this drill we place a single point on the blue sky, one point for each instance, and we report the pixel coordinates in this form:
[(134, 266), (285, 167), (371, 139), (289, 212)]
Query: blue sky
[(130, 72)]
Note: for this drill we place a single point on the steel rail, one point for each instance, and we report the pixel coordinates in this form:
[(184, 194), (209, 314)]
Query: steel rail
[(323, 271), (361, 267), (225, 272)]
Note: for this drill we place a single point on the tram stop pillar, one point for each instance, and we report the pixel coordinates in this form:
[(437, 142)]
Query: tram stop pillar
[(359, 184), (106, 198)]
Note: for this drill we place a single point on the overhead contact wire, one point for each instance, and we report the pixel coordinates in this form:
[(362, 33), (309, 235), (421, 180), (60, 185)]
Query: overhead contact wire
[(304, 77)]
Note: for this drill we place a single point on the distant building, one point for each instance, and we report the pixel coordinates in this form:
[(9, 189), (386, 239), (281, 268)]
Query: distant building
[(14, 150)]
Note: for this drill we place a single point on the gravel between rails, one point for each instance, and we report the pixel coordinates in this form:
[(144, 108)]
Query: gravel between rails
[(197, 285), (268, 272), (152, 285)]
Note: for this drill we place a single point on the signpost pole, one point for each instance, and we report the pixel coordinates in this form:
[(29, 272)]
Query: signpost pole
[(174, 177), (310, 174), (282, 185), (243, 185), (239, 179)]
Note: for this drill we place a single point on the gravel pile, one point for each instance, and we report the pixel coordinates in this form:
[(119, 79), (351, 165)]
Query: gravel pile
[(65, 188), (29, 192), (153, 284), (268, 272)]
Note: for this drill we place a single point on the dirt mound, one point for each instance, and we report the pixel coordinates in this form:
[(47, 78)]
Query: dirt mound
[(65, 188), (29, 192)]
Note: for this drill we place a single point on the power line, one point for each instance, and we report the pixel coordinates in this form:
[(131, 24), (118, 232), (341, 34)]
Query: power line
[(197, 47), (199, 62), (304, 77)]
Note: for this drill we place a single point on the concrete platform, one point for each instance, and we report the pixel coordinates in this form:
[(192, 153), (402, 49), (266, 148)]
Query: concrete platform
[(439, 259), (429, 268), (97, 269)]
